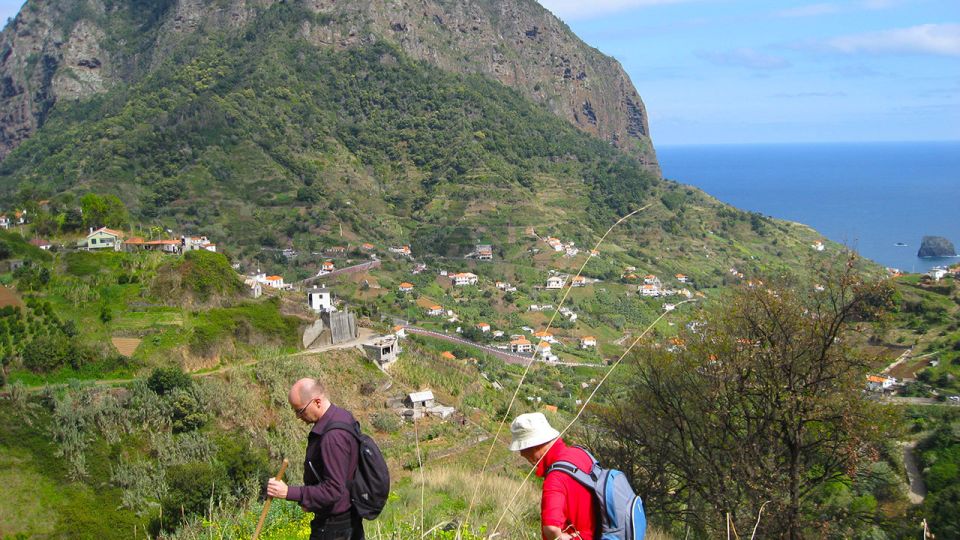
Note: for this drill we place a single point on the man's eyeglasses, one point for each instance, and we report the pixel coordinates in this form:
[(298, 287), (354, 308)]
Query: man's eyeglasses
[(300, 412)]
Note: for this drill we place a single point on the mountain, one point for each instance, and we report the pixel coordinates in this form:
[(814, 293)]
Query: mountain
[(269, 126), (61, 51)]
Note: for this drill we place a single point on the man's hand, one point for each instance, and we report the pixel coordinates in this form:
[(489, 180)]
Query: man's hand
[(555, 533), (277, 488)]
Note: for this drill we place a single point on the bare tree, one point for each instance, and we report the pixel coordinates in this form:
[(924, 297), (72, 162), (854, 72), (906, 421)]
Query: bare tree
[(760, 399)]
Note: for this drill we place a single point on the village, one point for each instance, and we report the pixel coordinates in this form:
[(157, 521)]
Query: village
[(439, 301)]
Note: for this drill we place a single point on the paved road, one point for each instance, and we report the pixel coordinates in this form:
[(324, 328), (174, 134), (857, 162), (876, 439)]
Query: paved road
[(898, 400), (364, 267), (507, 357)]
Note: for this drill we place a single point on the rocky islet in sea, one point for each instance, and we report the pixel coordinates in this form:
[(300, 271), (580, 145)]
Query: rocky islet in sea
[(936, 246)]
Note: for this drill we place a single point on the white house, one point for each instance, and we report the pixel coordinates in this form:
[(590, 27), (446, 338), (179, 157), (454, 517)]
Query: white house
[(402, 250), (193, 243), (320, 299), (435, 311), (328, 266), (399, 331), (40, 243), (544, 348), (103, 238), (405, 287), (555, 282), (878, 383), (521, 345), (937, 273), (681, 278), (544, 335), (649, 290), (483, 327), (419, 400), (651, 279), (4, 221), (818, 246), (274, 281), (555, 243), (578, 281), (484, 252), (465, 278), (254, 287), (588, 341)]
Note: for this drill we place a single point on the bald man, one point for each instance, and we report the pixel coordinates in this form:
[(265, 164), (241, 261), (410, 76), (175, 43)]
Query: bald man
[(328, 468)]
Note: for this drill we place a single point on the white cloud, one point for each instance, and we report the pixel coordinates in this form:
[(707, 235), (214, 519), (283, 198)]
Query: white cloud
[(811, 10), (937, 39), (745, 57), (582, 9)]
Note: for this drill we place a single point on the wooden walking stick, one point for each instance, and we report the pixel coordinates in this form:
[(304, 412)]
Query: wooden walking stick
[(266, 504)]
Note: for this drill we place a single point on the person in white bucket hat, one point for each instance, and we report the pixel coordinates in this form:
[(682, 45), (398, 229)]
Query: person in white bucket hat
[(566, 508)]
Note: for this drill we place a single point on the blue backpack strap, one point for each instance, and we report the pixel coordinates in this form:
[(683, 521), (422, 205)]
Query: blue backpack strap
[(588, 480)]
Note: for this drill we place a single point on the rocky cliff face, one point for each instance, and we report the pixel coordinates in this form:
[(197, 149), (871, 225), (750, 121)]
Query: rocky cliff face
[(71, 50)]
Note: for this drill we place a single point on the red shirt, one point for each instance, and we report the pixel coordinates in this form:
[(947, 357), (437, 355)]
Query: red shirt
[(565, 501)]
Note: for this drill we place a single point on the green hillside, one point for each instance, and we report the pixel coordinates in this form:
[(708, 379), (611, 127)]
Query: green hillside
[(262, 141)]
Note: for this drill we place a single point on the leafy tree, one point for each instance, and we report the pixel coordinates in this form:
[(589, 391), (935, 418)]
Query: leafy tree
[(186, 411), (103, 211), (763, 402), (166, 380)]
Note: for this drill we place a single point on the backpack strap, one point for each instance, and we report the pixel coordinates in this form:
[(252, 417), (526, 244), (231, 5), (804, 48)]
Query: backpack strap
[(353, 430), (589, 480)]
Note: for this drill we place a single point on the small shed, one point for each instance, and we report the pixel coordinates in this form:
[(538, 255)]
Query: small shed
[(420, 400)]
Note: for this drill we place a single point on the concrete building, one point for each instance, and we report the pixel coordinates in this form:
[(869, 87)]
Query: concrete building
[(320, 299), (384, 350)]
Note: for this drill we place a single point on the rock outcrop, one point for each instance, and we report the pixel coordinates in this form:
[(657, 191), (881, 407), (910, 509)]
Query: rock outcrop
[(72, 50), (936, 246)]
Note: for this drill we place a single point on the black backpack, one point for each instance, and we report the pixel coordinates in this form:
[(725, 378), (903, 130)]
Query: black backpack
[(371, 483)]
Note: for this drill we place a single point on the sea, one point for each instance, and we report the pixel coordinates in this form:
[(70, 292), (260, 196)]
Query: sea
[(880, 199)]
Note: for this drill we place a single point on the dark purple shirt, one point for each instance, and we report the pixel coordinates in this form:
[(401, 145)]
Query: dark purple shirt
[(328, 467)]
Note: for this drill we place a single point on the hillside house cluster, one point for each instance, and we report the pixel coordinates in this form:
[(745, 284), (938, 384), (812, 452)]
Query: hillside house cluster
[(505, 286), (569, 249), (18, 217)]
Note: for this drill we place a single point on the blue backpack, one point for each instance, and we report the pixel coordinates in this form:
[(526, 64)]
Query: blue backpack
[(621, 509)]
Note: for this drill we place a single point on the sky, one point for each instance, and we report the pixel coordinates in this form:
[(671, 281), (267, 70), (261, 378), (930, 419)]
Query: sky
[(745, 71), (752, 71)]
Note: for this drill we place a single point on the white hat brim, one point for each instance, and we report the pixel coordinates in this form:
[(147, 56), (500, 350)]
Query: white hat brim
[(534, 439)]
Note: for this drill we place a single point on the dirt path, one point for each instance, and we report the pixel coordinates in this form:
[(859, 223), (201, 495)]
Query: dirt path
[(918, 491)]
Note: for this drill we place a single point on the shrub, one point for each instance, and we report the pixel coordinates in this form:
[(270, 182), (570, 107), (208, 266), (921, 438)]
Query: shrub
[(385, 422), (190, 489), (166, 380), (46, 353), (241, 462)]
